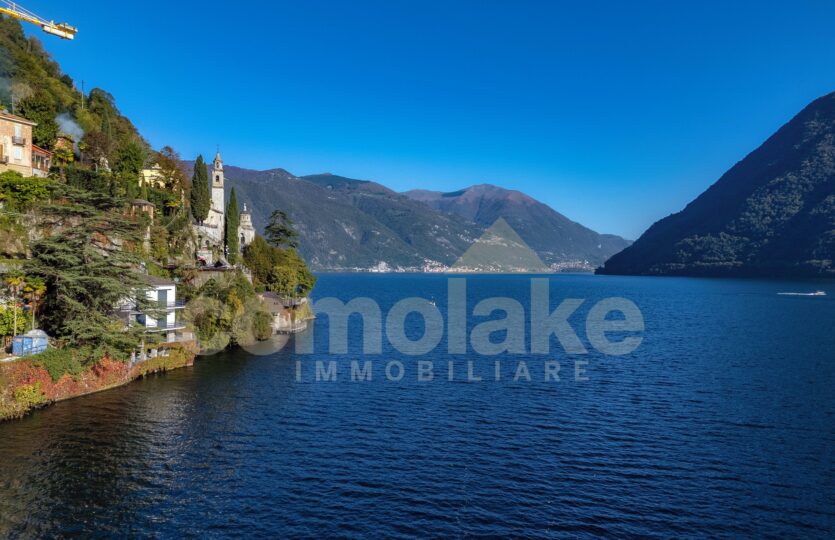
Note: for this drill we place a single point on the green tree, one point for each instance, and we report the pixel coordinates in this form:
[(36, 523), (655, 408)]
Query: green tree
[(35, 289), (129, 160), (280, 231), (169, 168), (231, 232), (63, 157), (40, 107), (22, 193), (200, 201), (7, 319), (15, 283), (88, 271), (95, 147), (278, 270)]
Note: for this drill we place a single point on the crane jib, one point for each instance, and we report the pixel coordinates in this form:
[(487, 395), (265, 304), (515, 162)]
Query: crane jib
[(16, 11)]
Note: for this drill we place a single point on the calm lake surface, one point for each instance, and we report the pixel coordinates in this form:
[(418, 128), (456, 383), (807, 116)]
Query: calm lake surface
[(721, 423)]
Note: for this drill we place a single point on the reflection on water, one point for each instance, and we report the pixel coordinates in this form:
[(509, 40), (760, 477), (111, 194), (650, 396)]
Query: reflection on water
[(722, 423)]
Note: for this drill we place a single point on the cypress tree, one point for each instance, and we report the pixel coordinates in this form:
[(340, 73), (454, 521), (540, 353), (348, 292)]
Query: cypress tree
[(231, 232), (200, 200)]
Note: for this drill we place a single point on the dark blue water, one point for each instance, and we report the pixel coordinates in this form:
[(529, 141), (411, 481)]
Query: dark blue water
[(721, 424)]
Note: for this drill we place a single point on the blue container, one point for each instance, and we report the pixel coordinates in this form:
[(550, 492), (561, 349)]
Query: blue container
[(32, 342)]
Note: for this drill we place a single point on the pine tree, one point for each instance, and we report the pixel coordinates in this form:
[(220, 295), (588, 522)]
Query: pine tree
[(231, 232), (280, 231), (200, 199), (87, 271)]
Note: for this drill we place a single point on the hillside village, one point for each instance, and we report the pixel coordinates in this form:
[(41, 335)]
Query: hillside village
[(115, 261)]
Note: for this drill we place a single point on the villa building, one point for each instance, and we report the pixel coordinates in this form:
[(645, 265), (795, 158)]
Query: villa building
[(162, 294), (152, 176), (15, 143), (41, 161)]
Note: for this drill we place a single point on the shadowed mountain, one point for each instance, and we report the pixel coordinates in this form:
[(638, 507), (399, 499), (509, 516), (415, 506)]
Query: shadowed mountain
[(554, 237), (771, 214)]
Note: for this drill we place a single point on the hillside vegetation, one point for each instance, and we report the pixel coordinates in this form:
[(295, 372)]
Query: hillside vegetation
[(76, 244), (33, 86), (771, 214)]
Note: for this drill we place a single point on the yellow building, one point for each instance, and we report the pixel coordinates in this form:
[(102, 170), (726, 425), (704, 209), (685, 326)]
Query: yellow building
[(152, 177), (15, 143)]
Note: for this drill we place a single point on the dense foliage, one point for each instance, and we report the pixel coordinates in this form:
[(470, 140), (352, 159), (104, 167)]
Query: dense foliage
[(19, 193), (40, 107), (86, 266), (32, 85), (226, 311), (280, 232), (278, 270), (200, 196), (82, 237), (233, 244)]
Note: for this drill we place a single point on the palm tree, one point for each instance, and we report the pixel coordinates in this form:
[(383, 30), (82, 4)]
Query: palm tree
[(35, 288), (15, 282)]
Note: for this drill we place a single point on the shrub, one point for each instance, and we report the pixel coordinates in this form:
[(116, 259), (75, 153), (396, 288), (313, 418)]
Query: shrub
[(21, 193), (262, 325), (59, 362), (29, 395)]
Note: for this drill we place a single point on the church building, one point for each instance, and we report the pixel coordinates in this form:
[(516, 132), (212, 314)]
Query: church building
[(213, 226), (214, 223)]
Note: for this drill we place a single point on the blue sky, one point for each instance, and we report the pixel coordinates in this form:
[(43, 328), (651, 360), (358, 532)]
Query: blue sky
[(614, 113)]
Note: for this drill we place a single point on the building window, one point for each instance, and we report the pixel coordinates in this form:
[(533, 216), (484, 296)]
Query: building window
[(18, 131), (18, 153), (217, 178)]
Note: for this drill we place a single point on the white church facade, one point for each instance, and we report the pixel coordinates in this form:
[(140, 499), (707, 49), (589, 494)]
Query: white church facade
[(212, 229), (213, 224)]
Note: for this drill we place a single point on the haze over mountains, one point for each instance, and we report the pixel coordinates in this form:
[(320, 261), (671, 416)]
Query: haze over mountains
[(348, 224), (771, 214)]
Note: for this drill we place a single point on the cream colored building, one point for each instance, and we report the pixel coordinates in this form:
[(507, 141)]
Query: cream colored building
[(15, 143), (245, 228), (152, 177)]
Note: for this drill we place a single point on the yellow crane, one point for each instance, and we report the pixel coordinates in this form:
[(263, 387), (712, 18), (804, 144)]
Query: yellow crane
[(62, 30)]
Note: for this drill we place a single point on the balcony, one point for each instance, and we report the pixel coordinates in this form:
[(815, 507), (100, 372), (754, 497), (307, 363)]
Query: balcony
[(18, 141), (166, 327), (153, 306)]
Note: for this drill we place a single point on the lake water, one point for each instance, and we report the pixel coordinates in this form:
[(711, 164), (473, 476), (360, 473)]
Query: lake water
[(721, 423)]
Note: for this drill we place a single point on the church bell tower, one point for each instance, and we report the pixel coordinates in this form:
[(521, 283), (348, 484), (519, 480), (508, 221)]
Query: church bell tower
[(218, 199)]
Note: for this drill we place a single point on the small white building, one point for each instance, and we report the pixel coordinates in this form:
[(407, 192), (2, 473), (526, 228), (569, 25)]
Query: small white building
[(162, 294)]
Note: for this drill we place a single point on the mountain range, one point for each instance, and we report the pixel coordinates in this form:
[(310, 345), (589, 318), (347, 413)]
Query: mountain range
[(348, 224), (771, 215)]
